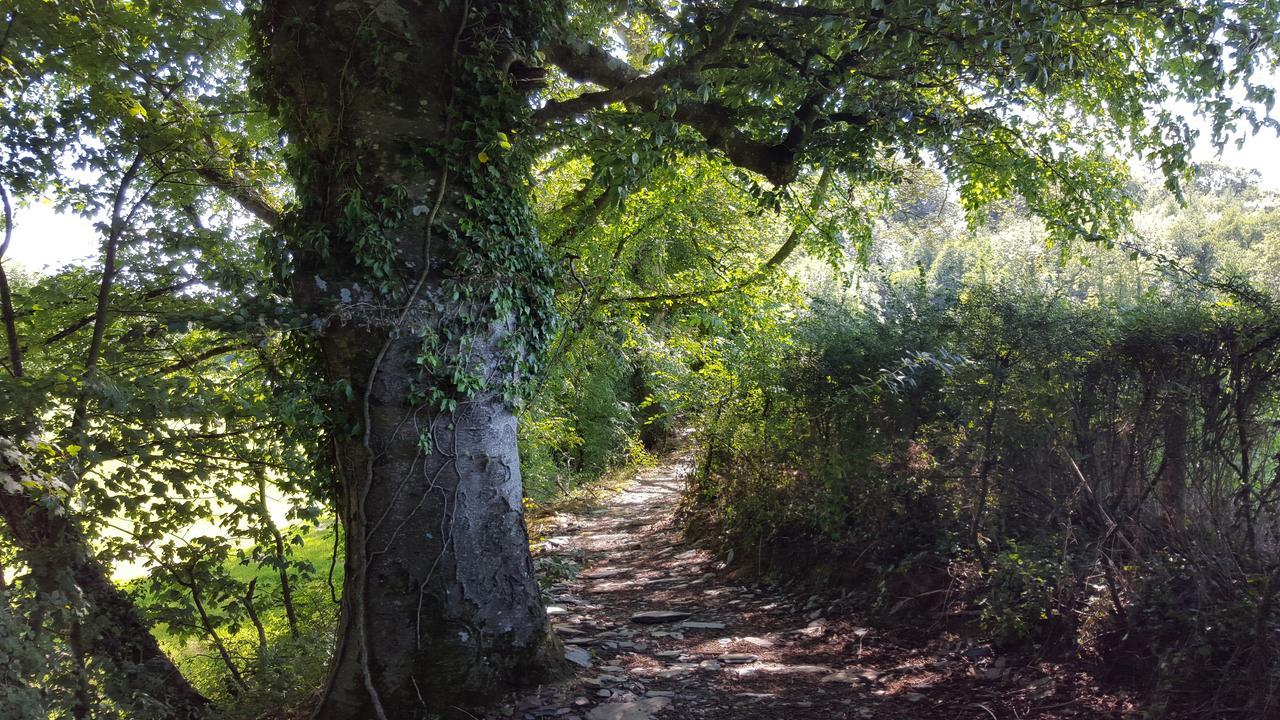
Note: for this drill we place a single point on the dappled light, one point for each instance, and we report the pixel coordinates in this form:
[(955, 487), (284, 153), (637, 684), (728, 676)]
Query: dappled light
[(645, 360)]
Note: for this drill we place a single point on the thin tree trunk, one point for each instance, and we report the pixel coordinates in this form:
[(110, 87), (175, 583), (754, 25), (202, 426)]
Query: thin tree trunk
[(6, 298), (281, 560), (80, 657), (257, 622), (197, 598), (1240, 416), (1263, 653), (984, 470), (101, 316)]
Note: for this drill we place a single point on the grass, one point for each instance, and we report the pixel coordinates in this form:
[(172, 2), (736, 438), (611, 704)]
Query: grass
[(288, 669)]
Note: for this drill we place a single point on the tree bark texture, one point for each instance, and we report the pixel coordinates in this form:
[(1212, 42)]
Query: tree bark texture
[(413, 250)]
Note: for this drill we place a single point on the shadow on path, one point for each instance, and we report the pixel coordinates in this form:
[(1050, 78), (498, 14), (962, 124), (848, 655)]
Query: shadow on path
[(657, 629)]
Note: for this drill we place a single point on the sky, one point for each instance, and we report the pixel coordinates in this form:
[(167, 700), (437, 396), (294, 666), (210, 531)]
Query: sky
[(44, 239)]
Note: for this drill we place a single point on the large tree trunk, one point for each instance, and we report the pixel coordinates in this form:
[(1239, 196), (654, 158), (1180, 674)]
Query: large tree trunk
[(138, 675), (441, 606), (413, 249)]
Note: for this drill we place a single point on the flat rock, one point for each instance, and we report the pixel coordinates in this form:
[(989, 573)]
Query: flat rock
[(578, 656), (642, 709), (698, 625), (737, 658), (780, 669), (657, 617)]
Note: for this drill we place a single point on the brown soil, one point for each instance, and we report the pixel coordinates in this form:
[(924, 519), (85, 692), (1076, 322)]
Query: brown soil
[(778, 655)]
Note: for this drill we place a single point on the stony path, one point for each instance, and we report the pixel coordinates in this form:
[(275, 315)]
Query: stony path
[(656, 629)]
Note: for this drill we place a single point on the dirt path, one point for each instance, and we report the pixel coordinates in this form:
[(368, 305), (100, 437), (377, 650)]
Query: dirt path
[(713, 649)]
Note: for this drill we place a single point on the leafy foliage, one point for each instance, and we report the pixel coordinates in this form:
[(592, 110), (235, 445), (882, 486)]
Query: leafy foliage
[(601, 245), (1093, 464)]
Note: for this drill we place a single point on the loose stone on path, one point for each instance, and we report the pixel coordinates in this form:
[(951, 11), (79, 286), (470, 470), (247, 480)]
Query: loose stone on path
[(642, 709), (696, 625), (602, 573), (658, 617), (578, 656)]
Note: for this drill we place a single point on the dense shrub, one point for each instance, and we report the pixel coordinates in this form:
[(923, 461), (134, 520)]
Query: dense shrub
[(1096, 475)]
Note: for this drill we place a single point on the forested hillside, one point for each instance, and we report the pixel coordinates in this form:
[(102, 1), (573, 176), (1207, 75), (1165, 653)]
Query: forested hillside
[(603, 360)]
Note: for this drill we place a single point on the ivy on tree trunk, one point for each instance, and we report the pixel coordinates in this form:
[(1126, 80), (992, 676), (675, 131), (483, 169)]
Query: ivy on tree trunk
[(412, 249)]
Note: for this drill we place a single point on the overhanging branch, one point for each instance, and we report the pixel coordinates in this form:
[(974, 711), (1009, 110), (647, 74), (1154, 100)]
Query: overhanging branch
[(779, 256), (244, 193), (718, 125)]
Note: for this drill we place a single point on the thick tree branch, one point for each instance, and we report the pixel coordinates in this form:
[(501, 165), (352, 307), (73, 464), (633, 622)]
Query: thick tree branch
[(801, 11), (250, 197), (586, 217), (717, 124)]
